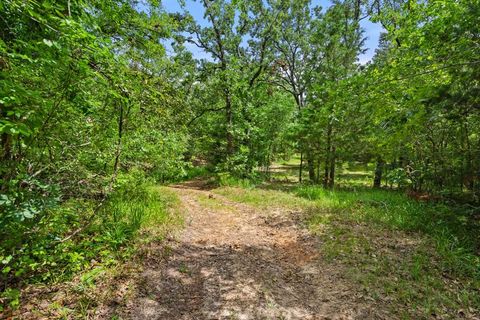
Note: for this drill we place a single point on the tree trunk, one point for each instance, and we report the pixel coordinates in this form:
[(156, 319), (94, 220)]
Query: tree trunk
[(6, 147), (319, 168), (118, 150), (325, 174), (229, 118), (377, 180), (311, 167), (328, 156), (469, 174), (5, 158), (331, 178)]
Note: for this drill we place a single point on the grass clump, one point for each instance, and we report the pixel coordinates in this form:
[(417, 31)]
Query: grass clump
[(225, 179)]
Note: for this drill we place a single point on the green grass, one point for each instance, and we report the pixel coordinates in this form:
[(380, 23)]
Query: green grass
[(293, 161), (196, 172), (212, 203), (423, 255), (354, 179), (349, 175), (262, 198), (225, 179), (452, 228)]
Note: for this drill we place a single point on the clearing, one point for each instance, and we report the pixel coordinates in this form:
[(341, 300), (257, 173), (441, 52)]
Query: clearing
[(281, 251)]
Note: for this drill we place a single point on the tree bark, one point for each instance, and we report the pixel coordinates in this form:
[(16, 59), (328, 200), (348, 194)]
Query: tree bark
[(469, 174), (229, 118), (328, 156), (5, 157), (331, 178), (377, 180), (6, 147), (118, 150), (325, 174), (311, 167)]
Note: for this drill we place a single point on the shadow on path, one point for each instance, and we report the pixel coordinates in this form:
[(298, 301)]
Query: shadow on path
[(233, 261)]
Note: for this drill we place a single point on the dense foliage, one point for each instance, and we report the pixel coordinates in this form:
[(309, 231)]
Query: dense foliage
[(93, 108), (412, 110), (84, 96)]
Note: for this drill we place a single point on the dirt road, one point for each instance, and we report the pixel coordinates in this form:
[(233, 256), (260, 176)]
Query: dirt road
[(234, 261)]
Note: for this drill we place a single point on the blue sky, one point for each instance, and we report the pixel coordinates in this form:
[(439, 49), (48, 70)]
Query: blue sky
[(372, 30)]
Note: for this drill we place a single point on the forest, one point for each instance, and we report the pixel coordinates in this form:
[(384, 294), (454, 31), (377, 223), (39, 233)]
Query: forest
[(158, 165)]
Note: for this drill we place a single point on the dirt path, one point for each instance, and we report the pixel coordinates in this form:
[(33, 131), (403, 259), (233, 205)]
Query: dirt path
[(233, 261)]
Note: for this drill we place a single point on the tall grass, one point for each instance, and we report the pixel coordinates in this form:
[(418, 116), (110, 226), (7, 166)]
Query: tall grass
[(130, 211), (421, 259), (453, 228)]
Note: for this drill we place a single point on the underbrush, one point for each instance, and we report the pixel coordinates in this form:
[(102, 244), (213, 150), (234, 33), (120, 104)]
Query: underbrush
[(197, 172), (225, 179), (423, 255), (68, 239)]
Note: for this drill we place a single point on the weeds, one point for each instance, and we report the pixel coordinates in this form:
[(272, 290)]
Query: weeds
[(261, 198), (401, 251), (225, 179), (134, 212)]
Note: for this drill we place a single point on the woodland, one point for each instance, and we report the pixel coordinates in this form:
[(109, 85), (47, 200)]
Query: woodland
[(103, 106)]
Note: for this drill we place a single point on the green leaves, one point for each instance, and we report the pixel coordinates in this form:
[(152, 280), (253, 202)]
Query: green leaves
[(12, 296), (65, 70), (420, 84), (89, 94), (14, 128)]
